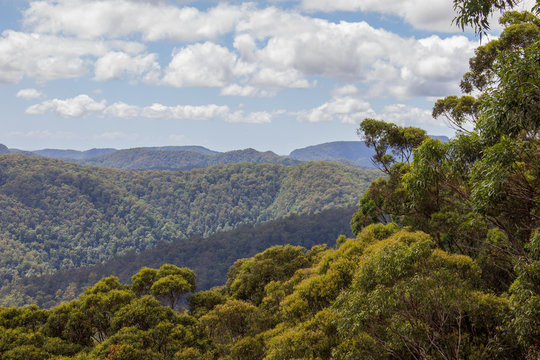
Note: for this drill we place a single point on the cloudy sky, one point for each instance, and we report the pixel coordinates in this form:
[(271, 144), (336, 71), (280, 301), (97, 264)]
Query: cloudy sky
[(272, 75)]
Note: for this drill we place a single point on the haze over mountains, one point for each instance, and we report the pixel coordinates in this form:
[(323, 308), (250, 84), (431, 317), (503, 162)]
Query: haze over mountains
[(352, 153)]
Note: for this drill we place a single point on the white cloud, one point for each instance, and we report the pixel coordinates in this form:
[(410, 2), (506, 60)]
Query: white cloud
[(187, 112), (347, 109), (117, 65), (46, 57), (204, 112), (29, 94), (122, 110), (72, 108), (436, 15), (261, 117), (427, 67), (160, 111), (345, 90), (272, 48), (206, 64), (238, 90), (406, 115), (353, 52), (352, 110), (116, 18)]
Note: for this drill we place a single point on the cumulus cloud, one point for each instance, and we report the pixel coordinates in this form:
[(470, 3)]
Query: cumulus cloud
[(122, 110), (427, 67), (248, 90), (352, 109), (48, 57), (261, 117), (436, 15), (206, 64), (353, 52), (117, 18), (160, 111), (74, 107), (272, 48), (347, 109), (406, 115), (29, 94), (187, 112), (117, 65)]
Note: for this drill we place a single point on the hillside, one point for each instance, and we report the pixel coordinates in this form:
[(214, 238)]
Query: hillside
[(56, 215), (352, 153), (173, 159), (209, 257), (355, 151)]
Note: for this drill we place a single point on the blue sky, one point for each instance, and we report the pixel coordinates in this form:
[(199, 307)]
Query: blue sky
[(272, 75)]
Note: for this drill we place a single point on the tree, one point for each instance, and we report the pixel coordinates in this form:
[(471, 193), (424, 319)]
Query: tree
[(476, 13), (171, 282), (383, 136), (247, 278)]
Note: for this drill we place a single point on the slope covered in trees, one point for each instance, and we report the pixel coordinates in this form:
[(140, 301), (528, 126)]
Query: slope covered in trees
[(57, 215), (388, 293), (354, 151), (209, 257), (160, 159)]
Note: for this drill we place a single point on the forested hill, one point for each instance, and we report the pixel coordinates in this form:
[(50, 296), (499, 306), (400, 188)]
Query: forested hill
[(353, 153), (56, 215), (159, 159), (209, 257)]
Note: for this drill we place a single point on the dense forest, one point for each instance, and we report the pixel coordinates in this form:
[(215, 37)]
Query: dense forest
[(209, 257), (444, 261), (56, 215)]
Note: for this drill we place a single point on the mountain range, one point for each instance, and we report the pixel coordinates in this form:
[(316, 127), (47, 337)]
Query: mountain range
[(350, 153)]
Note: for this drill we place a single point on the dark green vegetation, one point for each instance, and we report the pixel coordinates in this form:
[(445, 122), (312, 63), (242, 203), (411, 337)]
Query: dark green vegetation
[(445, 262), (150, 159), (209, 257), (57, 215)]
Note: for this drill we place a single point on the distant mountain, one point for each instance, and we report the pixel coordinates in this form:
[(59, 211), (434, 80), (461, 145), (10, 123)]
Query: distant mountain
[(351, 153), (441, 138), (355, 151), (4, 149), (149, 159), (72, 154), (195, 148)]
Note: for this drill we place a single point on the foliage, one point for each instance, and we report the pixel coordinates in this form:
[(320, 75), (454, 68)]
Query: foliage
[(56, 215), (209, 257)]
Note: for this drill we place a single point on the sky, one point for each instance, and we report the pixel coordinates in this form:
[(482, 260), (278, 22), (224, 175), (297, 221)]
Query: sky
[(271, 75)]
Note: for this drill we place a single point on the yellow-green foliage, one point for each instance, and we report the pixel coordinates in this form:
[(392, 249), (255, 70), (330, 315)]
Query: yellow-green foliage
[(388, 293)]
